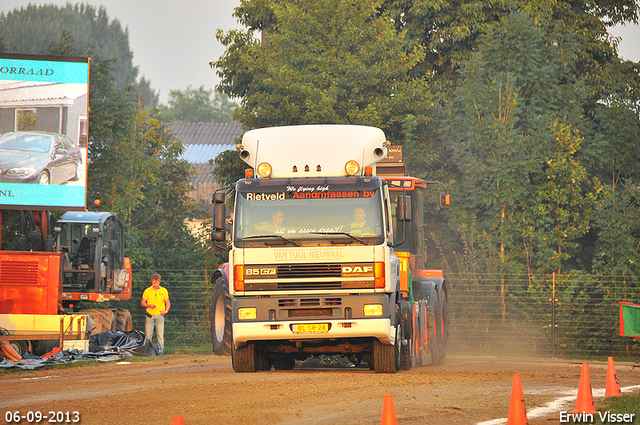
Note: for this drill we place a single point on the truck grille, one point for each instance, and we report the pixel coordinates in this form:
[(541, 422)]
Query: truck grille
[(308, 270), (310, 302), (309, 285), (314, 276)]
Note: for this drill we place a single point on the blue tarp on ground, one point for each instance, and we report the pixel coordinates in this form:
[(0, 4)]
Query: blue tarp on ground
[(104, 347)]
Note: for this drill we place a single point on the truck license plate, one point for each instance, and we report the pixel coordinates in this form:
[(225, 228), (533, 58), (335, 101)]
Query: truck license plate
[(311, 328)]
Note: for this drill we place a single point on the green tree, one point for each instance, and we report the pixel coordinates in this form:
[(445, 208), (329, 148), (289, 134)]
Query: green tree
[(450, 30), (617, 250), (230, 168), (199, 105), (147, 97), (320, 62), (513, 130), (31, 29), (135, 170), (563, 202)]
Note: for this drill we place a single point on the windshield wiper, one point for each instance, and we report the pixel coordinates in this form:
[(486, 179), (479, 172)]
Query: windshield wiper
[(282, 238), (341, 233)]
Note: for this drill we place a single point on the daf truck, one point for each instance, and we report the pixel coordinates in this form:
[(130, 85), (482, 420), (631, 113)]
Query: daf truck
[(326, 257)]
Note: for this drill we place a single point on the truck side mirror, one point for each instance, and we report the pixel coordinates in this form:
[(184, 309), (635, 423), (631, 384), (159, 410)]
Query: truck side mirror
[(218, 197), (403, 211), (218, 236), (445, 200), (219, 216)]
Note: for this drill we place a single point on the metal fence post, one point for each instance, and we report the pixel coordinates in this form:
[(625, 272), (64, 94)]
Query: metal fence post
[(553, 316)]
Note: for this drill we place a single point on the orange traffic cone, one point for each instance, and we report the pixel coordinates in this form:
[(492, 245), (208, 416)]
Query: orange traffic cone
[(613, 385), (177, 420), (388, 411), (584, 403), (517, 412)]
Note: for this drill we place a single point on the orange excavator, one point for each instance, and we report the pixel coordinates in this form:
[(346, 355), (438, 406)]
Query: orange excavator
[(80, 258)]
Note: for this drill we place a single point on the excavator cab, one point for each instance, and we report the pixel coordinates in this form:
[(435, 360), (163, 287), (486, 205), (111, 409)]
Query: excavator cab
[(93, 243)]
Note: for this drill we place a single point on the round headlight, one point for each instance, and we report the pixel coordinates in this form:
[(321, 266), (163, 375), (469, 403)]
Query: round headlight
[(264, 170), (352, 168)]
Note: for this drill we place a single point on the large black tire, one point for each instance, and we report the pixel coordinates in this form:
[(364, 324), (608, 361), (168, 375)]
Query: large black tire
[(220, 313), (444, 324), (423, 337), (384, 357), (434, 329), (405, 361), (283, 362), (103, 319), (123, 319), (407, 334), (264, 361), (397, 347), (387, 358), (245, 358)]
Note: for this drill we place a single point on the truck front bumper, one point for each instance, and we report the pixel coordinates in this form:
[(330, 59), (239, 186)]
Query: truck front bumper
[(304, 317), (380, 329)]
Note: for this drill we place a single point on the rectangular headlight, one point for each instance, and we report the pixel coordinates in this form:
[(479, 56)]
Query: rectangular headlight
[(373, 309), (247, 313)]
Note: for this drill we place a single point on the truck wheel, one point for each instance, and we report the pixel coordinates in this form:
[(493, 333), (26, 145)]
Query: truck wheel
[(220, 311), (405, 361), (443, 327), (264, 361), (423, 337), (397, 347), (283, 362), (245, 359), (407, 335), (384, 359), (387, 358), (434, 329)]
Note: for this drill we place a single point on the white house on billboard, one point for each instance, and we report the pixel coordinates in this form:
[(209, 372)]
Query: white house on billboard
[(44, 106)]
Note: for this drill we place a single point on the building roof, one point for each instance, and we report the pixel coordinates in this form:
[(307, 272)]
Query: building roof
[(33, 93), (201, 154), (203, 142)]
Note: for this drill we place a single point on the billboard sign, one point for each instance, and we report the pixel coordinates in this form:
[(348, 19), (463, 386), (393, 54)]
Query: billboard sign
[(43, 132)]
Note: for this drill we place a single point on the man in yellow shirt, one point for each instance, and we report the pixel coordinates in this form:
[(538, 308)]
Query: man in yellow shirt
[(156, 300)]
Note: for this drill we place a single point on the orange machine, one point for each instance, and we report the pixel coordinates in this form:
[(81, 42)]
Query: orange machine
[(80, 259), (30, 282)]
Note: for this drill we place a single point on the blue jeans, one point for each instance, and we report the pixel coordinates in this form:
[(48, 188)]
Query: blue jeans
[(158, 323)]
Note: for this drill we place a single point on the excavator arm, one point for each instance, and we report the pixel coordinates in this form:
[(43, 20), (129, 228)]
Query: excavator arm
[(36, 234)]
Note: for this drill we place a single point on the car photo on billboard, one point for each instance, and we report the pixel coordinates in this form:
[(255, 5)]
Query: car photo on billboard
[(38, 157), (44, 132)]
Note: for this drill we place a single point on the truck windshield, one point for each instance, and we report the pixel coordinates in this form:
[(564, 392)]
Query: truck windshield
[(316, 212)]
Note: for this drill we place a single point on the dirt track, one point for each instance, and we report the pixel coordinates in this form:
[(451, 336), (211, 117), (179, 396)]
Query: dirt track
[(205, 390)]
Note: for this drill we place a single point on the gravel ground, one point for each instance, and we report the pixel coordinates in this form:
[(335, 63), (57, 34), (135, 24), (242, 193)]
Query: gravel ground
[(205, 390)]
